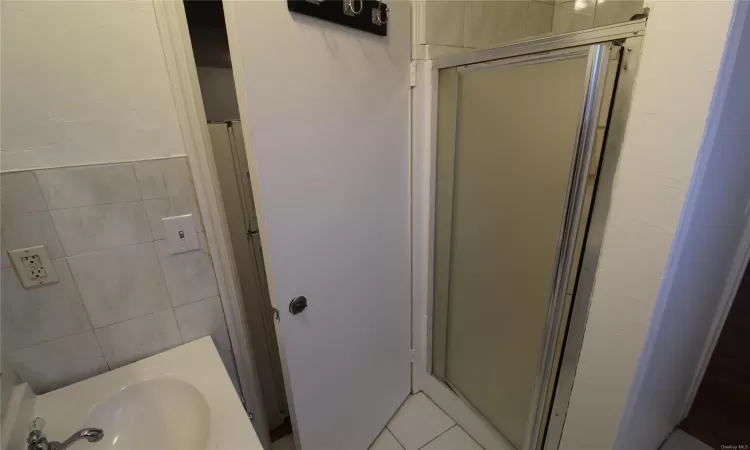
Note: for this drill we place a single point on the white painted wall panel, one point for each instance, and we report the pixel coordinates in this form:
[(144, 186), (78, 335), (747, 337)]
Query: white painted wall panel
[(84, 83), (672, 96), (705, 250)]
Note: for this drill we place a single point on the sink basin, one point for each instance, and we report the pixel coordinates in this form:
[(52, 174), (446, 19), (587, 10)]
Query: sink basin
[(158, 414), (181, 399)]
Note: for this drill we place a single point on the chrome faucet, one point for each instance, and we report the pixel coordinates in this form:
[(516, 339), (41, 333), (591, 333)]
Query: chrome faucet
[(37, 441)]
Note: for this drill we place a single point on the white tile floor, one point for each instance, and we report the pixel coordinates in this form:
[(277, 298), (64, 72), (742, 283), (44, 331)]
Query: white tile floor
[(418, 424), (679, 440)]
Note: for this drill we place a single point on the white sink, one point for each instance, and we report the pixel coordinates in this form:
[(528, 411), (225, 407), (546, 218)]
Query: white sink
[(181, 399), (158, 414)]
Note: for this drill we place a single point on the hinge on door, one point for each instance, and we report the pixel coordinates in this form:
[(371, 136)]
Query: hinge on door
[(244, 406), (413, 356), (276, 315), (413, 74)]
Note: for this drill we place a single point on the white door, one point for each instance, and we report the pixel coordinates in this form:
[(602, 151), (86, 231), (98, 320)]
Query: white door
[(325, 114)]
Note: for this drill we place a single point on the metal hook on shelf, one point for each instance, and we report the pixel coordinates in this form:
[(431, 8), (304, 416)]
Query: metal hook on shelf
[(349, 7), (377, 18)]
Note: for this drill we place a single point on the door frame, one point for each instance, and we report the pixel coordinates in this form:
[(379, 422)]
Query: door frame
[(424, 150), (230, 159), (172, 24), (741, 258)]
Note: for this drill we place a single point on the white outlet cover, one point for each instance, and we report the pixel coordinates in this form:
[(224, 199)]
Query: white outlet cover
[(30, 276), (181, 234)]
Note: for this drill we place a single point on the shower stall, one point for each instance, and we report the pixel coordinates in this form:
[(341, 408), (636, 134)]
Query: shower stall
[(524, 149)]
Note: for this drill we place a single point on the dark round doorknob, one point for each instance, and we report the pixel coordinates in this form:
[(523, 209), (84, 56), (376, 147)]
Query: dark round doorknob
[(298, 305)]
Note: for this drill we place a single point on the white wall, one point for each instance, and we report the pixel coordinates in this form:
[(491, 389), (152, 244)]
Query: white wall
[(86, 83), (675, 83), (83, 83), (705, 248)]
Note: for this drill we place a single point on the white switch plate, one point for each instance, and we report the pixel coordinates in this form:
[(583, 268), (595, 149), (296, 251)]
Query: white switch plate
[(180, 232), (33, 266)]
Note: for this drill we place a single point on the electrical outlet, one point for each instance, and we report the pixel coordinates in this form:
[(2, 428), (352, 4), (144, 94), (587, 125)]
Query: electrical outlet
[(33, 266)]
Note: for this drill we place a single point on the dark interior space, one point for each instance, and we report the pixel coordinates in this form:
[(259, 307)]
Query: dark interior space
[(720, 414), (208, 32)]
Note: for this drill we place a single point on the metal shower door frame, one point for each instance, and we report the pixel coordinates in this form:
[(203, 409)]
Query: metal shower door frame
[(545, 429)]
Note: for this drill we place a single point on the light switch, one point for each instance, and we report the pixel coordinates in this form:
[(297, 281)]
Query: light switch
[(180, 232), (33, 266)]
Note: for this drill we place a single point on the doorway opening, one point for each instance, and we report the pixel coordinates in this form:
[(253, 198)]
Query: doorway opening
[(210, 45)]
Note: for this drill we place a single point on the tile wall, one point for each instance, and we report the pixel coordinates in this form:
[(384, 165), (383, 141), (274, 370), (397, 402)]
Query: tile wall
[(470, 24), (121, 296), (458, 25), (576, 15)]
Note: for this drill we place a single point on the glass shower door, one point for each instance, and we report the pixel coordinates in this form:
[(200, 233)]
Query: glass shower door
[(512, 156)]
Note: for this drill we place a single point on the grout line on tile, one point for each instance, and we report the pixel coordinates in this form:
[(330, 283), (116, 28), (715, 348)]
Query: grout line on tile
[(471, 437), (408, 396), (394, 437), (207, 253), (133, 318), (179, 328), (137, 184), (199, 300), (441, 409), (39, 185), (104, 204), (108, 163), (397, 441), (164, 277), (108, 249), (436, 437), (8, 213), (80, 296), (148, 218), (91, 330), (154, 241), (101, 349), (455, 424)]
